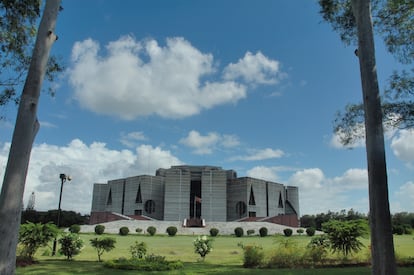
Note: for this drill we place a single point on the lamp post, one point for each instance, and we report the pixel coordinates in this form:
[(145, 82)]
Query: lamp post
[(63, 178)]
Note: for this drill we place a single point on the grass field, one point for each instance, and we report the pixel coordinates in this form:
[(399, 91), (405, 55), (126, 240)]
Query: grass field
[(226, 257)]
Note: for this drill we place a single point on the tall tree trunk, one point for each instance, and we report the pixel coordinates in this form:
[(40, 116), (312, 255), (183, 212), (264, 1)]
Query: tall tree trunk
[(25, 131), (382, 246)]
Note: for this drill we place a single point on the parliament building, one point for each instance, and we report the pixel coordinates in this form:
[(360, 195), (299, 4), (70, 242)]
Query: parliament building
[(195, 195)]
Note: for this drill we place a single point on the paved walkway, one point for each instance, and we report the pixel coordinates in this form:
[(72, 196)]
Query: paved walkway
[(225, 228)]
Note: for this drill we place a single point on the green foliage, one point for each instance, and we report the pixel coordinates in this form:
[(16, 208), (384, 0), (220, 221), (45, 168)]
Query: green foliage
[(67, 218), (253, 255), (150, 263), (151, 230), (263, 231), (138, 230), (171, 230), (250, 232), (288, 232), (203, 245), (99, 229), (70, 245), (344, 235), (123, 231), (102, 244), (317, 249), (239, 232), (32, 236), (74, 228), (138, 250), (287, 254), (214, 232), (310, 231)]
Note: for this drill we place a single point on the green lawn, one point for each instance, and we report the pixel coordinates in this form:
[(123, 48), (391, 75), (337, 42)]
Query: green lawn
[(226, 257)]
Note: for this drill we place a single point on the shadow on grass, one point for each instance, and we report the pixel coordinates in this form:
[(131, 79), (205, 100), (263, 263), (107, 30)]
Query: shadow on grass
[(63, 267)]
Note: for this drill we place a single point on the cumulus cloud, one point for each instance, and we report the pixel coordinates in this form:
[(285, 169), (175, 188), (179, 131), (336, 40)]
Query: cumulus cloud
[(254, 69), (261, 154), (130, 139), (402, 145), (403, 198), (205, 144), (142, 78), (87, 164), (318, 193), (264, 173)]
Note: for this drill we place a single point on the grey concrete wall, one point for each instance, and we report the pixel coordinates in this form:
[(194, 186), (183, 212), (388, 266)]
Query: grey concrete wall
[(214, 195), (116, 189), (99, 194), (236, 191), (177, 194), (275, 190), (293, 197)]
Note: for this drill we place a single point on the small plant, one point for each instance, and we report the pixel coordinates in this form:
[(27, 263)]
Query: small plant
[(171, 230), (99, 229), (70, 245), (151, 230), (287, 255), (263, 232), (203, 246), (239, 232), (288, 232), (74, 228), (300, 231), (138, 250), (214, 232), (310, 231), (123, 231), (138, 230), (317, 248), (253, 255), (102, 245), (32, 236), (250, 232)]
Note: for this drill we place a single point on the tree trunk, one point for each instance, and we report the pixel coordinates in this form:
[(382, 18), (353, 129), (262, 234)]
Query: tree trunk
[(25, 131), (382, 246)]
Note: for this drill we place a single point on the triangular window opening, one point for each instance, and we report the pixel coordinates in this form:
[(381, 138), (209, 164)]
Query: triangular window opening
[(251, 199), (138, 198), (280, 200), (109, 201)]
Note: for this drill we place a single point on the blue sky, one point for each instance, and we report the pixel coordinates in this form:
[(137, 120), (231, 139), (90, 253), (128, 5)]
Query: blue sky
[(246, 85)]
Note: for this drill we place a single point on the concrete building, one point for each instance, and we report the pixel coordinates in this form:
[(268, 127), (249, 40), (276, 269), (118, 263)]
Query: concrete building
[(195, 195)]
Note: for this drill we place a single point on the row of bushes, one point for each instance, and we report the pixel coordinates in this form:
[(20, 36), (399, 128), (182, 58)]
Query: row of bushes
[(172, 231)]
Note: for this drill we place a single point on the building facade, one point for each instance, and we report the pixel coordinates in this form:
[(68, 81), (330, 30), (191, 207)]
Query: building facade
[(185, 193)]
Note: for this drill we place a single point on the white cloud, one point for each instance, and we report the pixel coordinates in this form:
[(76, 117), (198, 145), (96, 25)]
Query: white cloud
[(263, 172), (130, 139), (261, 154), (318, 194), (403, 198), (142, 78), (87, 164), (254, 69), (203, 145), (402, 145)]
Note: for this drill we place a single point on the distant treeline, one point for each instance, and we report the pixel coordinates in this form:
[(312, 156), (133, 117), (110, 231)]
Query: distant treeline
[(67, 218), (402, 222)]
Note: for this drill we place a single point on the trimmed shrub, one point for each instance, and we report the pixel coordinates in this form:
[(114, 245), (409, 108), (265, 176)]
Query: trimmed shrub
[(149, 263), (239, 232), (74, 228), (288, 232), (253, 255), (171, 230), (263, 232), (151, 230), (99, 229), (300, 231), (123, 231), (310, 231), (214, 232), (138, 230), (250, 232)]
